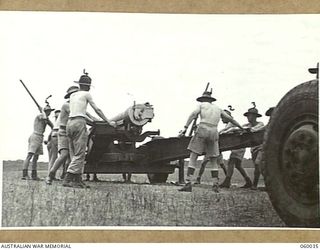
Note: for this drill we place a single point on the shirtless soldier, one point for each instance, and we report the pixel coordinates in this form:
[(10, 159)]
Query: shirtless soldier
[(77, 131), (220, 158), (35, 143), (206, 138)]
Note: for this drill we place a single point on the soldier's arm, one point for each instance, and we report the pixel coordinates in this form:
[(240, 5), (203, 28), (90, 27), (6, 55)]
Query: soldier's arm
[(191, 118), (258, 127), (98, 110), (230, 119), (49, 123), (44, 117), (91, 117)]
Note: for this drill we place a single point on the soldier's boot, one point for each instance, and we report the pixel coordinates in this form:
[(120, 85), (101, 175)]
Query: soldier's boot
[(226, 183), (49, 178), (54, 177), (62, 175), (78, 183), (25, 175), (186, 188), (198, 180), (68, 180), (215, 177), (34, 175), (248, 183)]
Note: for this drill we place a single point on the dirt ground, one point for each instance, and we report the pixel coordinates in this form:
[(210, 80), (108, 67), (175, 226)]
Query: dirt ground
[(114, 203)]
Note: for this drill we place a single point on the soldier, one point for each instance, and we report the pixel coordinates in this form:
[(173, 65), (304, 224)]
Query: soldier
[(252, 114), (52, 143), (77, 131), (220, 158), (63, 143), (35, 143), (236, 156), (257, 153), (205, 139)]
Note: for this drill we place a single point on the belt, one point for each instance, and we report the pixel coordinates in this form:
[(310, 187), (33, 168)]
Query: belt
[(55, 129), (208, 124), (76, 117), (63, 127)]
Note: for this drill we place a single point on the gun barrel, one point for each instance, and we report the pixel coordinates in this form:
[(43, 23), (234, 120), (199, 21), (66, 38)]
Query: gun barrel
[(31, 95)]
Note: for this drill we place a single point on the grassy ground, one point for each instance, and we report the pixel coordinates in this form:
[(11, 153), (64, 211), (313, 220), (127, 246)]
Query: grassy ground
[(113, 203)]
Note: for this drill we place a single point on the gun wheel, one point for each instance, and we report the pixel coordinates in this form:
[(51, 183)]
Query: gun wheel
[(290, 160)]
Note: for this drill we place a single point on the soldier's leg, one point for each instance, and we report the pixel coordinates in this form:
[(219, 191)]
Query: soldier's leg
[(64, 167), (26, 165), (213, 165), (34, 174), (64, 155), (201, 171), (53, 154), (79, 140), (192, 166), (227, 181), (223, 168), (190, 172), (256, 174), (238, 165)]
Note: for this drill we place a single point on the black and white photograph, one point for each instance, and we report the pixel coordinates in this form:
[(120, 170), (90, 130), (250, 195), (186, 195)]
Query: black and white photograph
[(149, 120)]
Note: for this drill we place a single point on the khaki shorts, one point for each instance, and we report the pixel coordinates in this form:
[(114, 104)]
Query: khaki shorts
[(35, 144), (63, 141), (238, 153), (205, 141)]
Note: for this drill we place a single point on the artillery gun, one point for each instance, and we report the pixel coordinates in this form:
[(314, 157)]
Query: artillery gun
[(114, 150)]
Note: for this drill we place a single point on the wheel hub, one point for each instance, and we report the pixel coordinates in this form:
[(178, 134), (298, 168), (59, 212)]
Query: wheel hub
[(300, 162)]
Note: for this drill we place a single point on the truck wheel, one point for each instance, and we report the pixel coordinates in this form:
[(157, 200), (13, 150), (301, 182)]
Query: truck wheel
[(158, 178), (290, 157)]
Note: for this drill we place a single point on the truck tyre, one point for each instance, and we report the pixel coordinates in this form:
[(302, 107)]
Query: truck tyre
[(290, 158), (158, 178)]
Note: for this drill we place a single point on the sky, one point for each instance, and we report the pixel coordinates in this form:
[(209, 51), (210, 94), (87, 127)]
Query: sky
[(164, 59)]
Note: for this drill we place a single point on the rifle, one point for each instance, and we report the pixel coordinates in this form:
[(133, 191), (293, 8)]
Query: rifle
[(39, 107)]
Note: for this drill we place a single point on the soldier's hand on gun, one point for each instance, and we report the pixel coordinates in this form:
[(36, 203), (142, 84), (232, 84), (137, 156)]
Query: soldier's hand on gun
[(113, 124)]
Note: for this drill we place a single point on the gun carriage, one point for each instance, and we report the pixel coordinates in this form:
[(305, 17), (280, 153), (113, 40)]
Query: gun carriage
[(114, 150)]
